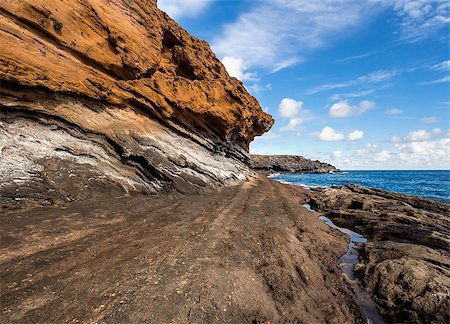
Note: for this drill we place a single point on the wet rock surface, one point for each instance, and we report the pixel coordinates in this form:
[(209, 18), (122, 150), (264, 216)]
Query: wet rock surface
[(269, 164), (406, 263)]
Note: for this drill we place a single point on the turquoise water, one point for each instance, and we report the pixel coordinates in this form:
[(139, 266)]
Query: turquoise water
[(428, 184)]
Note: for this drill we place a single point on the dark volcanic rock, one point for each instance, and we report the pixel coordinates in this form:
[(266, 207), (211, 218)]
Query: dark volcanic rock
[(406, 262), (289, 164)]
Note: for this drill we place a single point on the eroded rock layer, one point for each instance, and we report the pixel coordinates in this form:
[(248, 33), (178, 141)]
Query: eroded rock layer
[(114, 96)]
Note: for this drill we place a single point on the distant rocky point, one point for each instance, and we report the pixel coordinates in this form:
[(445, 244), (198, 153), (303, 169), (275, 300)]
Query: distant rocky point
[(268, 164)]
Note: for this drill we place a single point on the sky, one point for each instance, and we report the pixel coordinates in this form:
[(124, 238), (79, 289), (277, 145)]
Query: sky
[(361, 84)]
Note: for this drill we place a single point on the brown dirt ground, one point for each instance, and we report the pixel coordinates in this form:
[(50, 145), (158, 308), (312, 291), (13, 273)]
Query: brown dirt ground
[(249, 253)]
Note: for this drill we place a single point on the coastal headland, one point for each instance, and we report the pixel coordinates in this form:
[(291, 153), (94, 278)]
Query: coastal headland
[(128, 195)]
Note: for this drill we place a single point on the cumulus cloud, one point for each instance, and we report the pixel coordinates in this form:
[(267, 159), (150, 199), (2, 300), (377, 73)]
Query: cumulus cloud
[(290, 108), (420, 135), (429, 120), (428, 154), (182, 8), (343, 109), (393, 112), (329, 134), (340, 110), (355, 135)]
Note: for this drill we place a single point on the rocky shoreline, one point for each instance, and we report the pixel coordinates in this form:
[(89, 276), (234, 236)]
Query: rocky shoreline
[(405, 264)]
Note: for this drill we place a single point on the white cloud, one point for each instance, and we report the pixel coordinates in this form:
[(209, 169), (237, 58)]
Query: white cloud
[(272, 34), (429, 120), (393, 112), (442, 80), (366, 105), (420, 135), (292, 125), (371, 78), (343, 109), (382, 156), (427, 154), (355, 135), (337, 154), (236, 68), (289, 108), (339, 96), (419, 18), (354, 57), (257, 88), (431, 154), (180, 8), (443, 66), (340, 110), (329, 134)]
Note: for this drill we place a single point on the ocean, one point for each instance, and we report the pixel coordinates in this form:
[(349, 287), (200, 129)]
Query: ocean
[(429, 184)]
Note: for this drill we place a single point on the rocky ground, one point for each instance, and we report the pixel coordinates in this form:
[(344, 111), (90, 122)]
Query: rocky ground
[(248, 253), (406, 262), (269, 164)]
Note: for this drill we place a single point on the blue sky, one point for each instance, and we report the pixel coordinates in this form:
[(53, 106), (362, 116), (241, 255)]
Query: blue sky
[(359, 84)]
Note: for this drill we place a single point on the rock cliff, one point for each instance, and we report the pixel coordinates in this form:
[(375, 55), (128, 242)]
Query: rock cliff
[(289, 164), (104, 96)]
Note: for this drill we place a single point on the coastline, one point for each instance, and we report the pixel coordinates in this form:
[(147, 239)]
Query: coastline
[(244, 253)]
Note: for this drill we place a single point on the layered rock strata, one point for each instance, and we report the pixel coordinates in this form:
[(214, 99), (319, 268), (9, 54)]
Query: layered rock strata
[(269, 164), (406, 262), (101, 97)]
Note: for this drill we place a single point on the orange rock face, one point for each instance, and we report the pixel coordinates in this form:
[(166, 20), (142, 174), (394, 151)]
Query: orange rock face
[(130, 53), (123, 76)]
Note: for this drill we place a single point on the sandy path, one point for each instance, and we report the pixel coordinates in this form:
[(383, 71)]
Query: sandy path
[(242, 254)]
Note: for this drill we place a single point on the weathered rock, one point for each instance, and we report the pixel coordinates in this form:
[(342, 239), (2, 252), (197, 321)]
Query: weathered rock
[(114, 95), (406, 262), (244, 254), (268, 164)]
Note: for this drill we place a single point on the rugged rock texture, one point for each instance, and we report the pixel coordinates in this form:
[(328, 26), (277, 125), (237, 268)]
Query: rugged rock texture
[(110, 96), (268, 164), (406, 262), (244, 254)]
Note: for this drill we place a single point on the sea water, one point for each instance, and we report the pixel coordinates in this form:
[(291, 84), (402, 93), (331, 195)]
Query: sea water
[(428, 184)]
